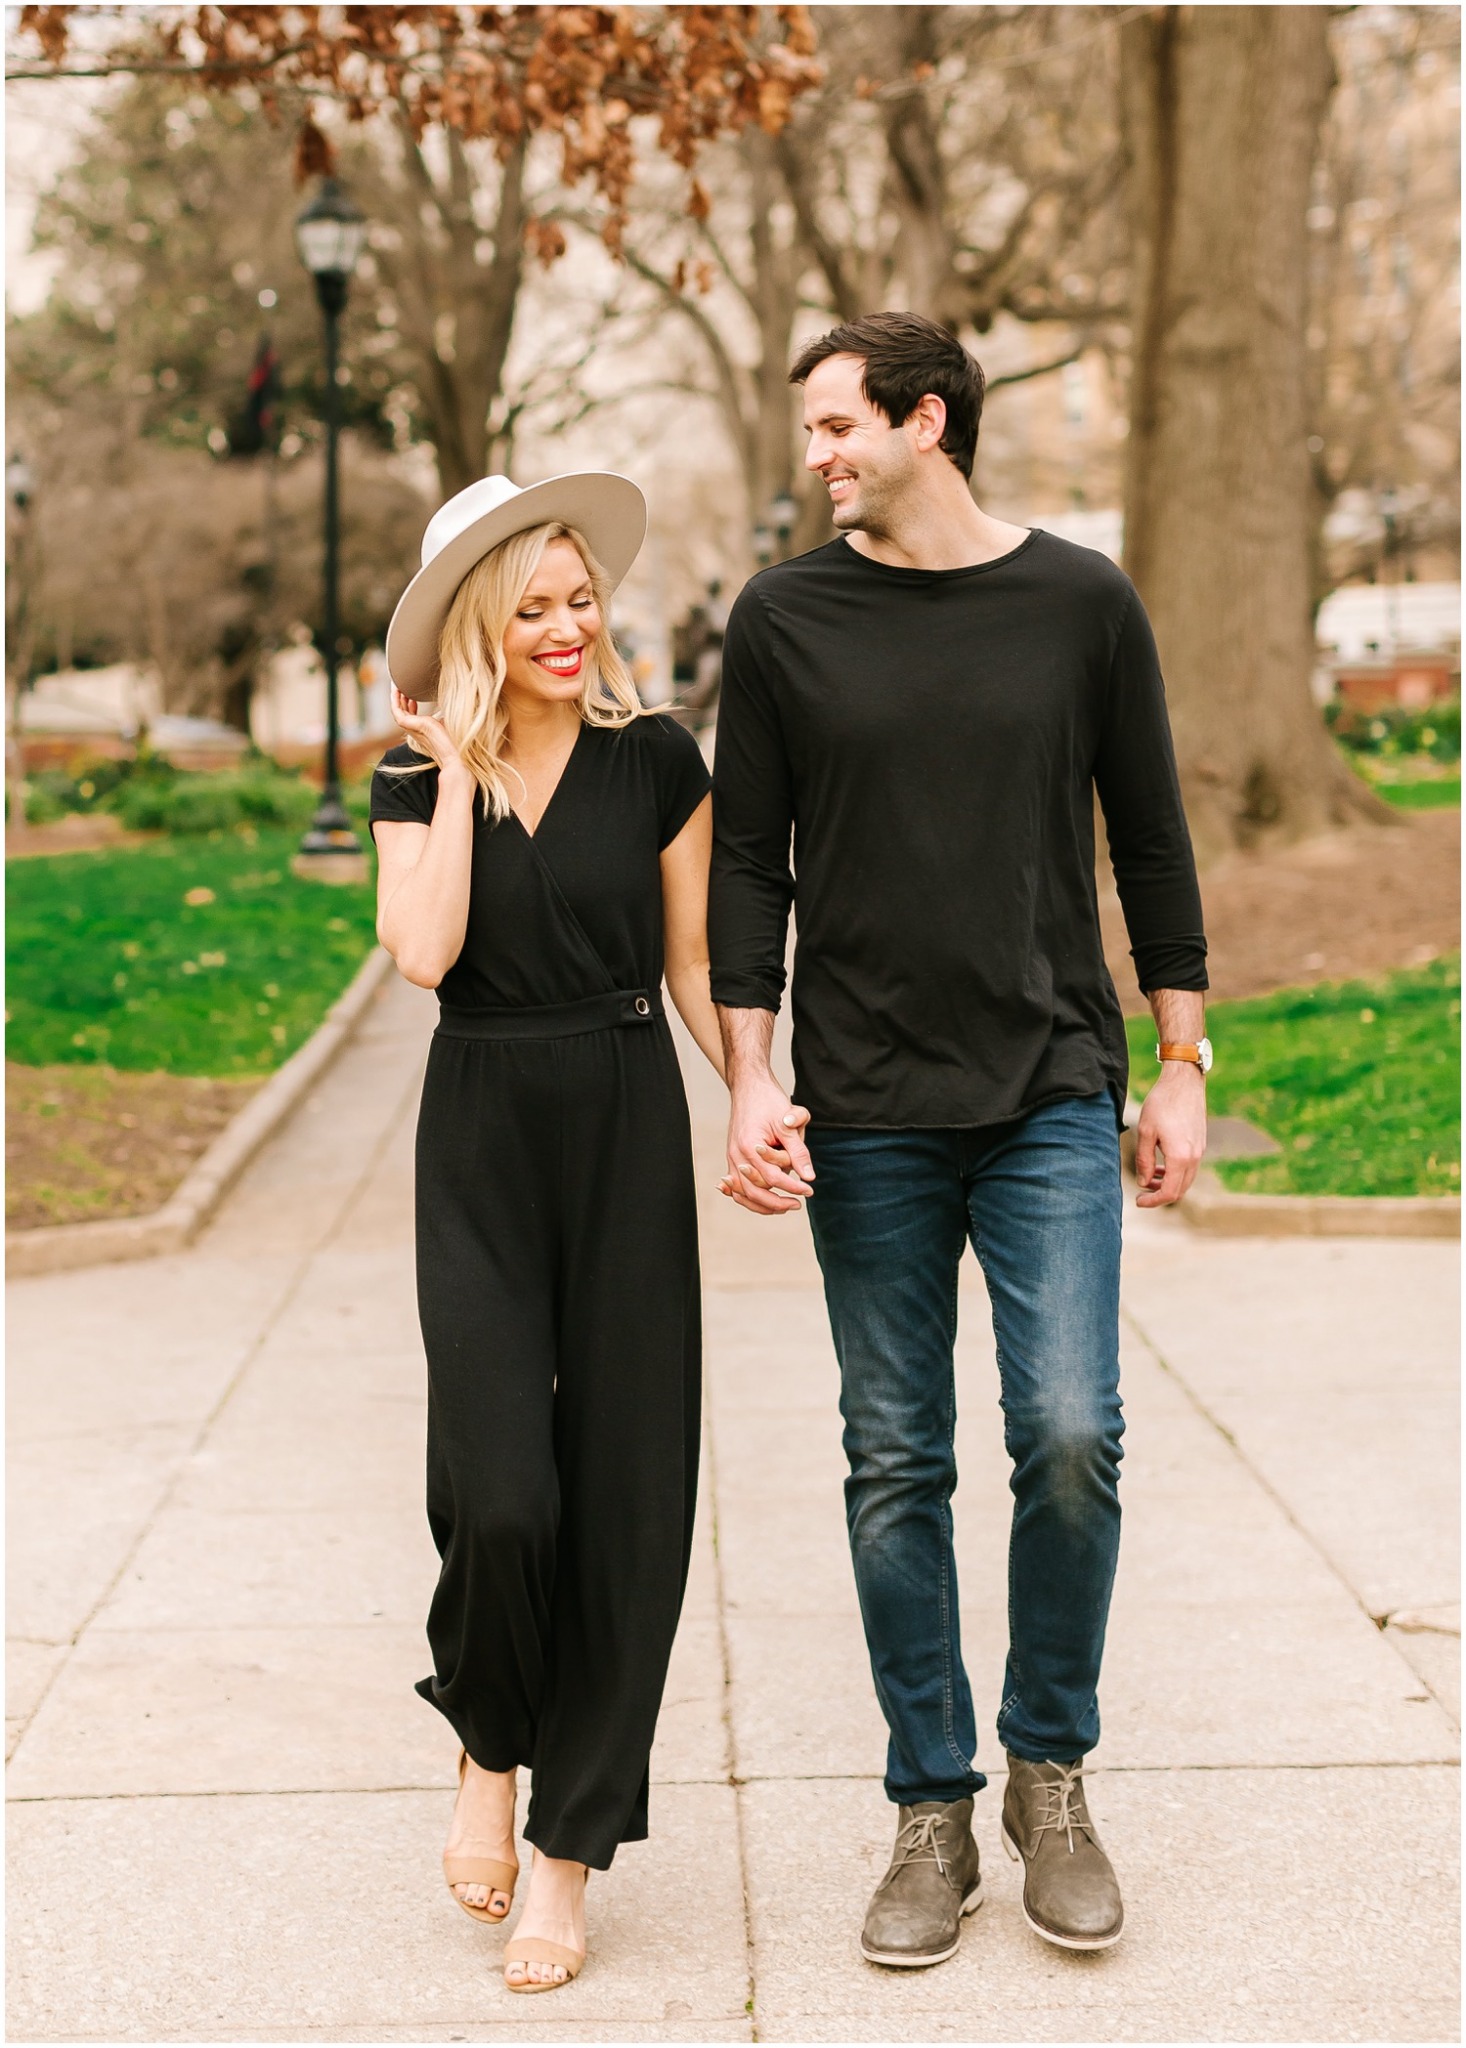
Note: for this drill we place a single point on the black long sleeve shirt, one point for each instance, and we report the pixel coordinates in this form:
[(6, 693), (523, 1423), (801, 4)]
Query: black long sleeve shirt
[(932, 741)]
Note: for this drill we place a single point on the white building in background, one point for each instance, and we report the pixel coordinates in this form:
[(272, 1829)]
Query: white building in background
[(1102, 529), (288, 705), (1365, 620), (104, 711), (115, 702)]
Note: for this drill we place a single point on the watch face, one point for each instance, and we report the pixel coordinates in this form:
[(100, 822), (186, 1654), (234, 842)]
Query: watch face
[(1203, 1046)]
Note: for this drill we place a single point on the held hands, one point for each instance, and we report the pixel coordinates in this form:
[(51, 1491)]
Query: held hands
[(1173, 1125), (428, 731), (769, 1167)]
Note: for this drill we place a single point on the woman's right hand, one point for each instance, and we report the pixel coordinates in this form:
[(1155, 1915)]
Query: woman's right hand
[(429, 731)]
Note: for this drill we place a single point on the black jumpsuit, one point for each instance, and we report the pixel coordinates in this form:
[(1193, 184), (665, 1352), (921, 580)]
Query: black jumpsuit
[(558, 1288)]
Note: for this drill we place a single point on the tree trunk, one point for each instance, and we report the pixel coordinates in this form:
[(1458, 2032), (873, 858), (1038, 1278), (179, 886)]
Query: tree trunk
[(773, 300), (457, 309), (918, 176), (1221, 109)]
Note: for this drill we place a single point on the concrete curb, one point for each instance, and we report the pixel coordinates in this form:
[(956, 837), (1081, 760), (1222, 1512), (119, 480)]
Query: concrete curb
[(1210, 1206), (57, 1247)]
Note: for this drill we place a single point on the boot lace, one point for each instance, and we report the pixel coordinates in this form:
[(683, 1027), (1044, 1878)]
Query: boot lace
[(919, 1842), (1064, 1809)]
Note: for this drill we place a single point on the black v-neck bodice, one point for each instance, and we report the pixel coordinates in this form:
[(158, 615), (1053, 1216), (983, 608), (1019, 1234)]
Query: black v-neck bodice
[(574, 909)]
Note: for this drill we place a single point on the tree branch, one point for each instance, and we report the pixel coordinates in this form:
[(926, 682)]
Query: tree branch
[(1038, 370), (827, 253), (725, 369)]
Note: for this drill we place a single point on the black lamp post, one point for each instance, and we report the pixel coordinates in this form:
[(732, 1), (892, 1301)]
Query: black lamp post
[(783, 513), (1389, 512), (330, 234), (20, 638), (772, 534)]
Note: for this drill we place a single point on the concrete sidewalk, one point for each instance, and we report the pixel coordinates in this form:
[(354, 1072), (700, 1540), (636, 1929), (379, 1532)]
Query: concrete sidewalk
[(227, 1805)]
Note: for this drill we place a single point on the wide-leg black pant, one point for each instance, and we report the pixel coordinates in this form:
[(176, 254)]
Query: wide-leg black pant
[(558, 1293)]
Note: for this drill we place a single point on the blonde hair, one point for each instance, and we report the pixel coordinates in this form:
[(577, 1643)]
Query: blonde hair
[(471, 663)]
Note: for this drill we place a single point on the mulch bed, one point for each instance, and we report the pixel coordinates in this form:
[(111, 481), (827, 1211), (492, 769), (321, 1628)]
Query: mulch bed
[(84, 1142), (77, 832), (1357, 903)]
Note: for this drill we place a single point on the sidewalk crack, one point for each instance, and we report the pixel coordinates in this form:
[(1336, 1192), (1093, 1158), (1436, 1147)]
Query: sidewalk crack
[(734, 1779), (1260, 1478)]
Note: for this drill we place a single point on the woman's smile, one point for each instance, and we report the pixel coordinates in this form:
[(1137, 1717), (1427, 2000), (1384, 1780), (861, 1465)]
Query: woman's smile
[(561, 661)]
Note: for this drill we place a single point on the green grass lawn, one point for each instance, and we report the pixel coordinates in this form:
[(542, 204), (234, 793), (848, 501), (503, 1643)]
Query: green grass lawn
[(1359, 1081), (191, 955), (1439, 793)]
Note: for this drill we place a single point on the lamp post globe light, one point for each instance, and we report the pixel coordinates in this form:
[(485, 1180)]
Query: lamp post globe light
[(19, 482), (330, 234)]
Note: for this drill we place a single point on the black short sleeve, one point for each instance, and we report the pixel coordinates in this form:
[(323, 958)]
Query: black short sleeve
[(405, 799), (682, 778)]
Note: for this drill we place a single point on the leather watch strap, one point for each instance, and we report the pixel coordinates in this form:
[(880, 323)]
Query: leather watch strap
[(1180, 1052)]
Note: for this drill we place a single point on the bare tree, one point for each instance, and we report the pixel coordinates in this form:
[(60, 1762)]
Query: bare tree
[(978, 173), (450, 246), (732, 277), (179, 561), (1384, 385), (959, 160), (465, 91)]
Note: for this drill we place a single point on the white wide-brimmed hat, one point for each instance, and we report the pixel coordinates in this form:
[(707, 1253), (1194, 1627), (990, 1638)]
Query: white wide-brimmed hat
[(609, 510)]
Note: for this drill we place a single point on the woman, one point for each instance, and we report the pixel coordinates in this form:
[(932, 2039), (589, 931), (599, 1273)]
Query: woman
[(543, 852)]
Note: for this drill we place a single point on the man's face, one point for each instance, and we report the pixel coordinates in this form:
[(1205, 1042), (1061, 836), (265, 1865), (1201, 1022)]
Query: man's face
[(867, 465)]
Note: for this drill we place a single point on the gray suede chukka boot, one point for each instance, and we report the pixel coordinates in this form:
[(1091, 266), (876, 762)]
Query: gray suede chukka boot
[(1070, 1893), (915, 1917)]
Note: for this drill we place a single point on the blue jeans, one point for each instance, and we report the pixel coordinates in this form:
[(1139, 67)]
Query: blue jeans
[(892, 1210)]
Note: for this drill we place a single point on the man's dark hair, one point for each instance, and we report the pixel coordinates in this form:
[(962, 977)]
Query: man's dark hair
[(905, 357)]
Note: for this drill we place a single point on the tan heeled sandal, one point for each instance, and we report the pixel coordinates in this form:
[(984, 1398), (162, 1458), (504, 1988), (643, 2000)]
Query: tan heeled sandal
[(485, 1870), (530, 1949)]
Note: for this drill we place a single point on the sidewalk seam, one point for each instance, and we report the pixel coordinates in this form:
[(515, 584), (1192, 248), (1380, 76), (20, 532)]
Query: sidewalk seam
[(398, 1791), (1261, 1479), (201, 1436), (733, 1779)]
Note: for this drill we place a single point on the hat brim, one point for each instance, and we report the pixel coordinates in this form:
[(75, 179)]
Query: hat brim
[(608, 509)]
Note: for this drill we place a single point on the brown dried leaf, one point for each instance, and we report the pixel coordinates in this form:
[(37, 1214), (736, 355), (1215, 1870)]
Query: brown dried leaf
[(545, 240), (315, 153)]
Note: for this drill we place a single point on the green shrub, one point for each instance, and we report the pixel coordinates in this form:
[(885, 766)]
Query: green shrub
[(215, 803), (148, 794), (44, 800), (1432, 733), (94, 786)]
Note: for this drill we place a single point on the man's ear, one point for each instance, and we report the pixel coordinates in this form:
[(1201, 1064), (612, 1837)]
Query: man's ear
[(929, 421)]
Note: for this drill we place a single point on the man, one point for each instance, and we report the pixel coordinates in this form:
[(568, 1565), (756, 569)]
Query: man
[(929, 704)]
